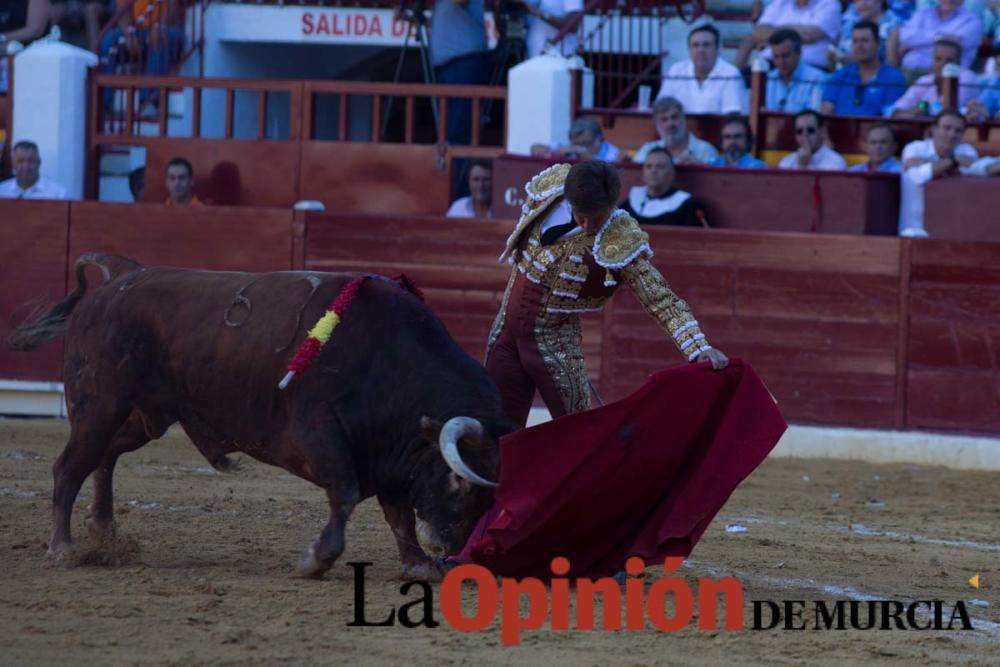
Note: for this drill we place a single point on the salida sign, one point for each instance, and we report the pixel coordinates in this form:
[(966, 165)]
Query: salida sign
[(343, 25)]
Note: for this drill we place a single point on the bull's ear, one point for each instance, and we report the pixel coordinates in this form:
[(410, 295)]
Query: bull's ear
[(431, 430)]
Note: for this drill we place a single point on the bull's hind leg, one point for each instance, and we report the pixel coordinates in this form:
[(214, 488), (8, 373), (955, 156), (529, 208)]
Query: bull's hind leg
[(93, 428), (137, 431)]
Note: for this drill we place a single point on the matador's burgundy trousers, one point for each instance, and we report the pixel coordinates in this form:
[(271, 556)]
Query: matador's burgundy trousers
[(537, 350)]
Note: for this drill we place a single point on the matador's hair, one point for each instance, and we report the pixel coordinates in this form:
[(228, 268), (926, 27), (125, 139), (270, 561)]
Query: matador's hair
[(593, 186)]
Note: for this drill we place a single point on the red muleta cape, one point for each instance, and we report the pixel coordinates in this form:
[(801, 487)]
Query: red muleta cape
[(641, 477)]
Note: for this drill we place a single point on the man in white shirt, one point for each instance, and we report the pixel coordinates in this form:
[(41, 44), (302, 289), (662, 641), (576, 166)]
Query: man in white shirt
[(547, 18), (705, 83), (941, 156), (671, 125), (478, 203), (27, 182), (812, 152)]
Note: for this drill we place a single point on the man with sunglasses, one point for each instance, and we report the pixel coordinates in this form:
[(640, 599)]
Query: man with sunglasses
[(812, 152), (866, 87)]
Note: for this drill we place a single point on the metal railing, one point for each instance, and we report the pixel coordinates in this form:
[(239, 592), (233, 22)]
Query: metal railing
[(627, 44)]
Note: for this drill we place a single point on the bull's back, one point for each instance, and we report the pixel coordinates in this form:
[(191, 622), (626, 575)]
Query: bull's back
[(217, 342)]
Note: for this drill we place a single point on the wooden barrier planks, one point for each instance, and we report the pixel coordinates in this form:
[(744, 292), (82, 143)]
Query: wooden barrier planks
[(394, 179), (953, 375), (816, 316), (963, 208), (207, 237), (33, 245), (861, 331)]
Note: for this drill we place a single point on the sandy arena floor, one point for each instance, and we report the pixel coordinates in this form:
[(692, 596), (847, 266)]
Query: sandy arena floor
[(213, 582)]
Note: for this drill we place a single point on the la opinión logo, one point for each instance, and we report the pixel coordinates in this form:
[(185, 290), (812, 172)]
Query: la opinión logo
[(630, 609)]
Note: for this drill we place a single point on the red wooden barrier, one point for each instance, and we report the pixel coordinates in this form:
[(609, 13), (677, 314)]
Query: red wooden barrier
[(963, 209), (33, 245), (877, 332), (953, 378), (817, 317), (216, 237), (394, 179)]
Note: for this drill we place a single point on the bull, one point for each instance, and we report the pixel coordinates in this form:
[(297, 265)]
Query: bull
[(392, 406)]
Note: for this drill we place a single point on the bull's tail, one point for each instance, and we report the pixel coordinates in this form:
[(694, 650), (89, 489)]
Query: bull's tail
[(35, 330)]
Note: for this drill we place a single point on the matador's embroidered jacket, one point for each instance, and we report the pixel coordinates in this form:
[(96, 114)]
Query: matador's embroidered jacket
[(582, 271)]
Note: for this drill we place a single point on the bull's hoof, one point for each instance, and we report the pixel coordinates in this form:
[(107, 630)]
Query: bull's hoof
[(101, 531), (62, 549), (425, 571), (312, 567)]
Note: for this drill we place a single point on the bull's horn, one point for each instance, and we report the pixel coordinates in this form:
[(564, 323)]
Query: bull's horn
[(453, 431)]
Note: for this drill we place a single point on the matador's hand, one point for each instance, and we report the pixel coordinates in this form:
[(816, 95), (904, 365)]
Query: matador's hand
[(718, 359)]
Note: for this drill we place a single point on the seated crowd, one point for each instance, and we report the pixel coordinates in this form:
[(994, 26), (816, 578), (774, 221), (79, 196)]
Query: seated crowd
[(875, 59)]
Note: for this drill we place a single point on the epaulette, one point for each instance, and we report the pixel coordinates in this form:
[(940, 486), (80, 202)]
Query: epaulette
[(543, 190), (620, 241)]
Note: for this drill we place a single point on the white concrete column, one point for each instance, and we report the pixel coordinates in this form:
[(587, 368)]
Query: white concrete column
[(538, 102), (50, 100)]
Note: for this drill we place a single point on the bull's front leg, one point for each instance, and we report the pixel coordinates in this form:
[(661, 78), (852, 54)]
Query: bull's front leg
[(327, 547), (416, 564)]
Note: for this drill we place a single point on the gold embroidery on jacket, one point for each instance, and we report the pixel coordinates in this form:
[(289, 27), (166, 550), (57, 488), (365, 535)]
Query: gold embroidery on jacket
[(668, 309)]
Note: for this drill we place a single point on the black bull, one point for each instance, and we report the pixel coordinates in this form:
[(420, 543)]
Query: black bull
[(155, 346)]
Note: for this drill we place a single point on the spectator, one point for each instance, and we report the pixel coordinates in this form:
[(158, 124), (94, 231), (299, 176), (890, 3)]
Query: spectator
[(657, 201), (547, 18), (460, 56), (940, 156), (885, 19), (913, 44), (67, 14), (927, 89), (812, 152), (151, 36), (671, 125), (137, 183), (20, 21), (866, 87), (816, 22), (988, 104), (180, 183), (880, 144), (792, 85), (984, 166), (28, 182), (705, 83), (478, 203), (586, 142), (737, 137)]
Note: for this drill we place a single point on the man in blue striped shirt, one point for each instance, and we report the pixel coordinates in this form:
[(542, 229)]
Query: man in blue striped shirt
[(792, 86)]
